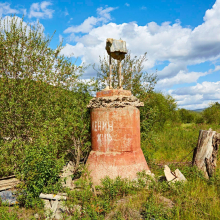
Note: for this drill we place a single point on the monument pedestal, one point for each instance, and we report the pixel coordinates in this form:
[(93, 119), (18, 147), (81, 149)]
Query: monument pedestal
[(115, 123)]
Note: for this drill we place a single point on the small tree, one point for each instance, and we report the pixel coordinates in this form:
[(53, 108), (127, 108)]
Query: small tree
[(186, 116), (212, 113), (134, 78), (157, 107)]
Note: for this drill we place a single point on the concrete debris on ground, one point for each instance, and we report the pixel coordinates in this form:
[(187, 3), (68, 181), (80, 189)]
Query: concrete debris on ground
[(53, 205), (173, 176), (67, 171), (114, 101), (8, 197)]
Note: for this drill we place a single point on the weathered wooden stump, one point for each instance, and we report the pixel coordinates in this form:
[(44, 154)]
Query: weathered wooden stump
[(205, 154)]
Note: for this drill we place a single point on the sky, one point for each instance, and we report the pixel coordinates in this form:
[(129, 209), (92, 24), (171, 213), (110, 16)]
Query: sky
[(181, 38)]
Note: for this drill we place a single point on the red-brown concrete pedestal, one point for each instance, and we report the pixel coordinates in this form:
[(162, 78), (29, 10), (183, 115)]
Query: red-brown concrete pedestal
[(115, 134)]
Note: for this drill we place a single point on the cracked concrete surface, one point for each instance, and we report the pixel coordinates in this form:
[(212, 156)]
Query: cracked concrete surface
[(114, 102)]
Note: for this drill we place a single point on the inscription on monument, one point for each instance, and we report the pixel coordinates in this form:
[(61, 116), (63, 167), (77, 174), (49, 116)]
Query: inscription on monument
[(102, 126), (104, 138)]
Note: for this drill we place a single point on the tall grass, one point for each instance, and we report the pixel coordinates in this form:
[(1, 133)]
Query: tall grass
[(174, 143), (198, 198)]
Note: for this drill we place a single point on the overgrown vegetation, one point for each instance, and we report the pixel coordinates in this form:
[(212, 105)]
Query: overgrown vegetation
[(45, 123), (43, 116)]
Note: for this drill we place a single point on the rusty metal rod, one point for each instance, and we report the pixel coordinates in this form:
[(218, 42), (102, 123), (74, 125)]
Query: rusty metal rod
[(110, 71), (119, 73)]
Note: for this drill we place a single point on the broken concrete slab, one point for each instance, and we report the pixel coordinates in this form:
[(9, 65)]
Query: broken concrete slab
[(116, 48), (60, 210), (173, 176), (53, 196), (67, 171), (180, 176), (8, 197), (115, 101), (168, 174), (53, 205)]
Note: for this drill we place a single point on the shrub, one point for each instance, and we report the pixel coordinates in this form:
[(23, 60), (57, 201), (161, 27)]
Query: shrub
[(186, 116), (199, 119), (153, 210), (43, 116), (157, 110), (212, 114)]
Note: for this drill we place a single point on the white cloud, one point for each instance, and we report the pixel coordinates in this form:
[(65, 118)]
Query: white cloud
[(181, 77), (5, 8), (60, 38), (75, 51), (169, 43), (66, 12), (217, 68), (40, 10), (143, 8), (104, 14), (24, 11), (127, 4), (198, 96), (85, 27), (88, 40), (203, 88), (212, 14), (7, 21), (90, 22)]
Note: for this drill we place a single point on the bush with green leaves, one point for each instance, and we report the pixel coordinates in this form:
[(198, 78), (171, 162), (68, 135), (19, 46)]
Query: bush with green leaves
[(186, 116), (153, 210), (212, 114), (158, 109), (134, 77), (7, 214), (43, 116), (96, 202), (199, 119)]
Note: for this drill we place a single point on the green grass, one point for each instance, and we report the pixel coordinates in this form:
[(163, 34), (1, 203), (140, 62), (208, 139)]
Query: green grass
[(174, 143), (198, 198)]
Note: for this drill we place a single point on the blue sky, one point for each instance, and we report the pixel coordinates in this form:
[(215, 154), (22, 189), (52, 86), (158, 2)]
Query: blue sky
[(181, 38)]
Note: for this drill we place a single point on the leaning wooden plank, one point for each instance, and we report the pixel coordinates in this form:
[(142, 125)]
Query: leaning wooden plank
[(13, 181), (7, 177), (52, 196), (205, 154), (8, 183)]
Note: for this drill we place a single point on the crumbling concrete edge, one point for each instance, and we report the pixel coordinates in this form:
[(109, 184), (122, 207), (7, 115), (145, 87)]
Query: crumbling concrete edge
[(114, 102)]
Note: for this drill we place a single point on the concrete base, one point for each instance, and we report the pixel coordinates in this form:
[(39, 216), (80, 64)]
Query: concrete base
[(115, 131), (113, 164)]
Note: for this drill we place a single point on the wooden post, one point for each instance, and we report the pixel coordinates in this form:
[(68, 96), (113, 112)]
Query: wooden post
[(205, 154)]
